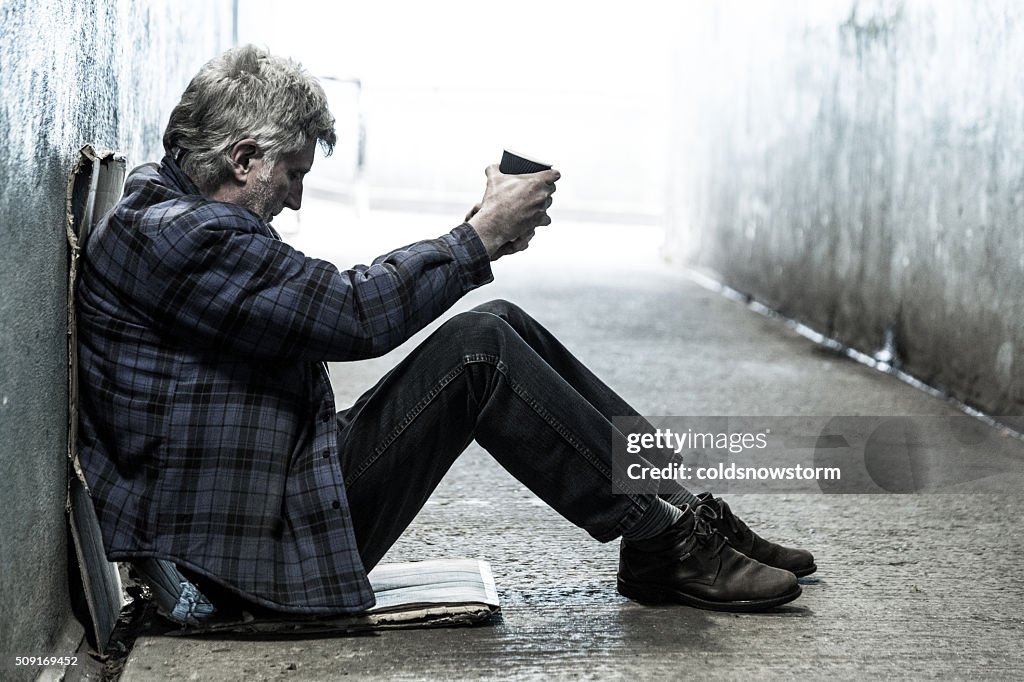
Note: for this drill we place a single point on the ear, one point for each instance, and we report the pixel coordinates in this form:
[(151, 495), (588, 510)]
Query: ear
[(242, 154)]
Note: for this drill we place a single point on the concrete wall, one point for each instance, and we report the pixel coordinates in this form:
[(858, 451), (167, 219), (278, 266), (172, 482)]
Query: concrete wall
[(860, 167), (71, 72)]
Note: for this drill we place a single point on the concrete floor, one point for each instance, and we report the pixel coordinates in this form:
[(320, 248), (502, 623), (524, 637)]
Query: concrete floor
[(913, 586)]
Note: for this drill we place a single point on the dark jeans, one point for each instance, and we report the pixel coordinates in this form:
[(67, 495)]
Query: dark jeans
[(495, 375)]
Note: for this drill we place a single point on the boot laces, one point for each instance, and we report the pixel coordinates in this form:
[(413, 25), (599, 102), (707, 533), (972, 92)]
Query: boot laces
[(706, 534), (717, 509)]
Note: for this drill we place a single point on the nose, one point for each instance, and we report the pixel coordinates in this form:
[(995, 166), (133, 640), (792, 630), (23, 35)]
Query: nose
[(294, 198)]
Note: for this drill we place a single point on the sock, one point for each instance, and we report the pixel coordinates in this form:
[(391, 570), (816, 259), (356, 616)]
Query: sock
[(659, 517), (681, 498)]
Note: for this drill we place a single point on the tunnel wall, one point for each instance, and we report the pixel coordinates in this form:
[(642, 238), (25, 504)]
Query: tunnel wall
[(105, 72), (859, 166)]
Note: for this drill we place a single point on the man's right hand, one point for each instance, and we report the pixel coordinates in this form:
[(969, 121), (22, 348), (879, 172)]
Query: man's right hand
[(513, 205)]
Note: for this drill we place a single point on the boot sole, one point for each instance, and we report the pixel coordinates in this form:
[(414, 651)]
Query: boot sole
[(649, 594)]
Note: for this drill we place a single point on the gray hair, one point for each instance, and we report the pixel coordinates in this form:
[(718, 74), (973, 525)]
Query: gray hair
[(246, 92)]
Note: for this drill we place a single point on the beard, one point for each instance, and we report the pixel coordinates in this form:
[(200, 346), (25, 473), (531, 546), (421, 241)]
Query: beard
[(260, 196)]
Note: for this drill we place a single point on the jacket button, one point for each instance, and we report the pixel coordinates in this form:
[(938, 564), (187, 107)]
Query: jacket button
[(336, 504)]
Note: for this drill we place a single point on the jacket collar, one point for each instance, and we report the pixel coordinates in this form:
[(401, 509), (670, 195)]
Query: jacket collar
[(170, 169)]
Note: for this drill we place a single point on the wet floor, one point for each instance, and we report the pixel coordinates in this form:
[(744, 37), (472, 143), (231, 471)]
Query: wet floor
[(908, 585)]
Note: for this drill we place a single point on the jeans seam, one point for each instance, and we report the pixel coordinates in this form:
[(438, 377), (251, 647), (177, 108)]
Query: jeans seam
[(559, 428), (404, 423), (636, 507), (633, 514)]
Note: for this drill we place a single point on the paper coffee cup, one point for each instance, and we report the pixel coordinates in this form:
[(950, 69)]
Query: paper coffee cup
[(517, 164)]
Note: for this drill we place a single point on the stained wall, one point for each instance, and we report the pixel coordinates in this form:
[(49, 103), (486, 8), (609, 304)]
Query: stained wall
[(108, 73), (859, 166)]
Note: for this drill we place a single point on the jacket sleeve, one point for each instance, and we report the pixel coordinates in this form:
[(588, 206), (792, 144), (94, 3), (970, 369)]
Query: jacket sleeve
[(239, 290)]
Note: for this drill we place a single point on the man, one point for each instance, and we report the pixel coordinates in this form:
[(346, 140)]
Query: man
[(208, 431)]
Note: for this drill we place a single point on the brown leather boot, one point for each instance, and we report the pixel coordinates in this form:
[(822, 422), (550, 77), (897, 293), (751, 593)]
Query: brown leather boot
[(691, 563), (799, 562)]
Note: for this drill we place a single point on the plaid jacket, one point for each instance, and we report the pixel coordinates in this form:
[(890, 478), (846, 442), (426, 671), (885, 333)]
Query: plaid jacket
[(207, 430)]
